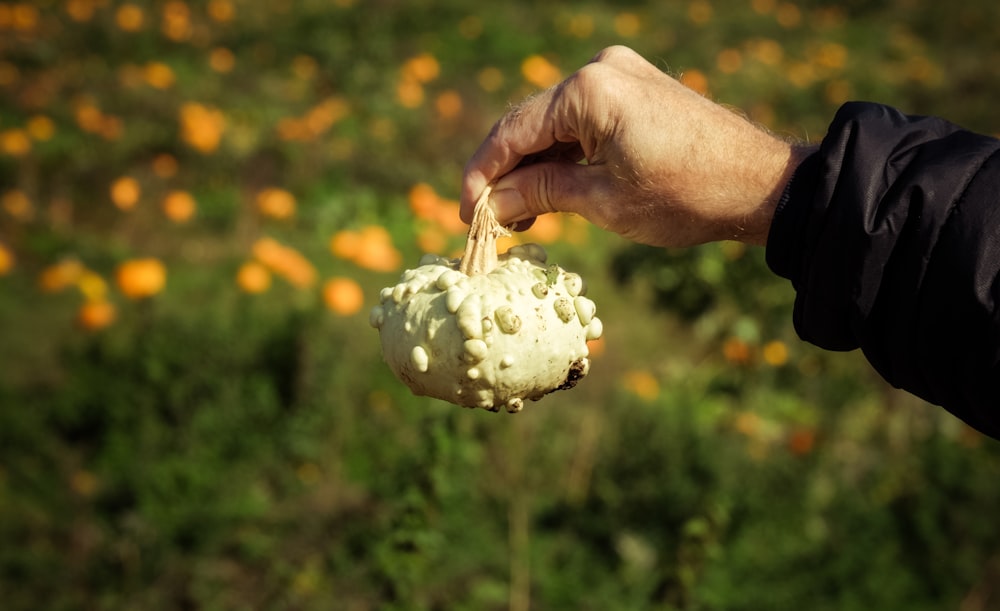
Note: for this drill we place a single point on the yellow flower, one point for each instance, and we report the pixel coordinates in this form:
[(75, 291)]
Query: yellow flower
[(41, 128), (775, 353), (92, 286)]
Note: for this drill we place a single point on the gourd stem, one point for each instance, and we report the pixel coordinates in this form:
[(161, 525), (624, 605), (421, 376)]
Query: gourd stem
[(481, 245)]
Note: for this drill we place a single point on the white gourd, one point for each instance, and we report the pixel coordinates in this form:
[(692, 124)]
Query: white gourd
[(489, 336)]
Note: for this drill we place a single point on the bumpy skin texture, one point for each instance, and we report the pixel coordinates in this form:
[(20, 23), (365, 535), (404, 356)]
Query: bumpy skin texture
[(490, 340)]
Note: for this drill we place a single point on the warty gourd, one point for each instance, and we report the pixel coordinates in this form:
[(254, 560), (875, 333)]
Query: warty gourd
[(488, 331)]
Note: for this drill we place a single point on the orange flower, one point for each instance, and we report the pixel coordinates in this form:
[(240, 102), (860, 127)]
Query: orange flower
[(129, 17), (125, 193), (627, 25), (490, 79), (41, 128), (423, 200), (448, 218), (179, 206), (736, 351), (95, 315), (324, 115), (6, 260), (253, 278), (345, 244), (410, 93), (58, 276), (285, 261), (81, 10), (729, 61), (432, 239), (377, 252), (201, 126), (221, 10), (422, 68), (141, 278), (695, 79), (22, 17), (540, 72), (370, 248), (276, 203), (801, 441), (448, 104), (700, 12), (343, 296), (642, 384), (17, 204), (221, 60), (158, 75), (15, 142), (165, 165), (177, 20)]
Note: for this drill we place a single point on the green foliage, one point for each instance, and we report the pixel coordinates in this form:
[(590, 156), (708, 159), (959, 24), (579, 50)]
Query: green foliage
[(215, 448)]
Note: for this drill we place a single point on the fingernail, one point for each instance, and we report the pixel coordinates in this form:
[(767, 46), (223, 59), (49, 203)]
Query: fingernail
[(508, 205)]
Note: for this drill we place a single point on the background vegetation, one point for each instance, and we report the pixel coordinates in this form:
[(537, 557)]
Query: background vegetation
[(199, 202)]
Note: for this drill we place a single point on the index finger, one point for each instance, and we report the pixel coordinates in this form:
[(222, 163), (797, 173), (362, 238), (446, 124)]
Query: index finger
[(526, 129)]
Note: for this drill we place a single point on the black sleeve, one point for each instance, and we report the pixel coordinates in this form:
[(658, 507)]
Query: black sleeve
[(890, 235)]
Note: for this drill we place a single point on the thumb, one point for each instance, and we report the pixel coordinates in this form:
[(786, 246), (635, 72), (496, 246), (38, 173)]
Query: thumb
[(540, 188)]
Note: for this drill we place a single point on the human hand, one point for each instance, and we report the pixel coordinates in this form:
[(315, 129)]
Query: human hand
[(663, 165)]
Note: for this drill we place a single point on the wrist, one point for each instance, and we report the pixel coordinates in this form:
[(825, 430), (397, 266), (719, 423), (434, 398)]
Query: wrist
[(773, 178)]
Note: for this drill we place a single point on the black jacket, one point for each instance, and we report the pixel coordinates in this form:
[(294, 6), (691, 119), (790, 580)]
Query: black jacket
[(890, 234)]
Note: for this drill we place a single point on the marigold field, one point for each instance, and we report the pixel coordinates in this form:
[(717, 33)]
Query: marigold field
[(199, 203)]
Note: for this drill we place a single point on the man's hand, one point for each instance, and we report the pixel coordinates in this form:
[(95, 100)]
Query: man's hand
[(663, 165)]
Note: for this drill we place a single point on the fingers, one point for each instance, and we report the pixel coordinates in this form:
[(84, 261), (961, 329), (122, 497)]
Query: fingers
[(560, 186), (552, 119), (566, 123), (523, 131)]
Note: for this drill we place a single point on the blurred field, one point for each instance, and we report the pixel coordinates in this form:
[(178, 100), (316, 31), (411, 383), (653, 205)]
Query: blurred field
[(199, 202)]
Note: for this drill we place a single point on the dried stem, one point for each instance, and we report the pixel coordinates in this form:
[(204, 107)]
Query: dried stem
[(481, 246)]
